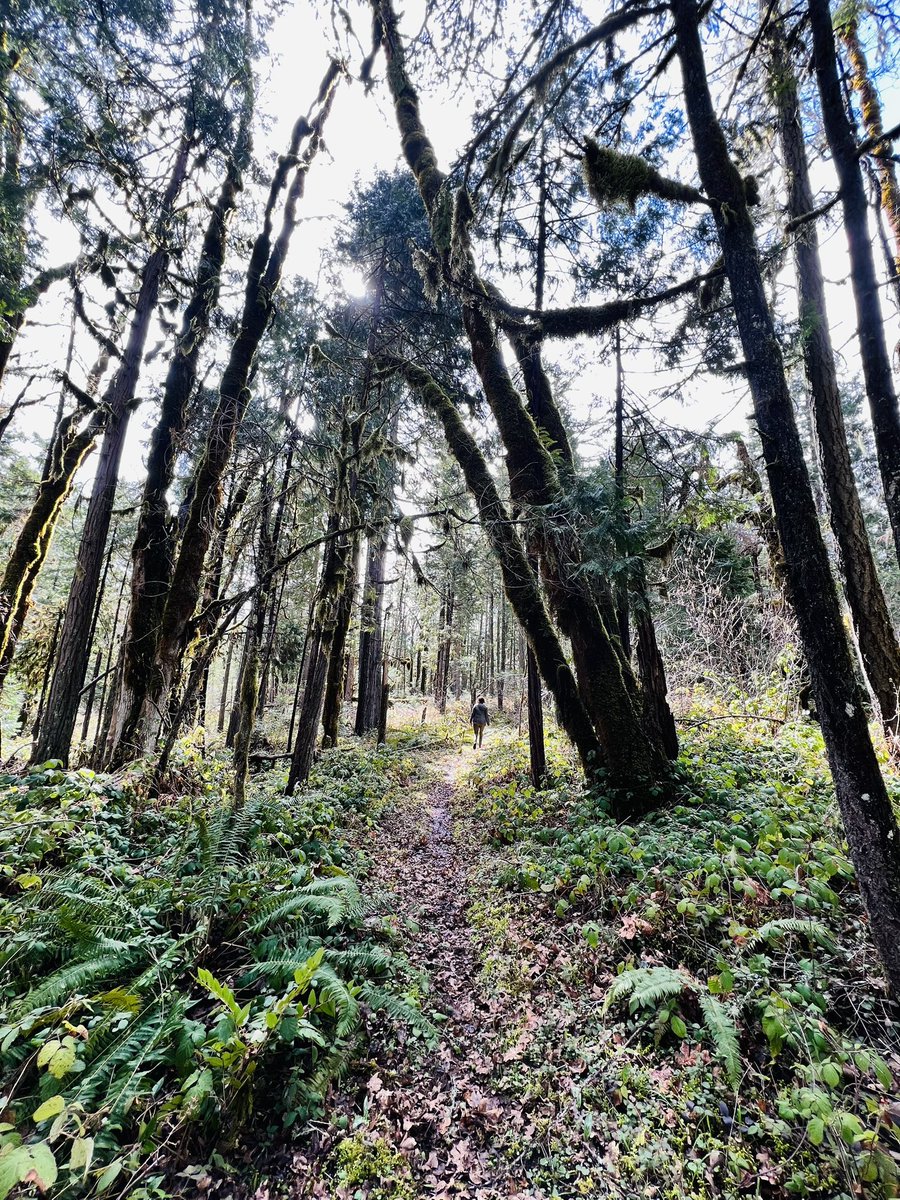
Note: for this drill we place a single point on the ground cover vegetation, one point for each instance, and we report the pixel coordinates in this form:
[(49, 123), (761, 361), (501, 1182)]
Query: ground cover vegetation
[(569, 385), (697, 1023)]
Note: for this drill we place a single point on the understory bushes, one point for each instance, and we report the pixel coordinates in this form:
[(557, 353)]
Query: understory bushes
[(161, 961), (734, 1033)]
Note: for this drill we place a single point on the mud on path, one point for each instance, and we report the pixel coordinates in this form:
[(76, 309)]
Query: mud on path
[(432, 1106)]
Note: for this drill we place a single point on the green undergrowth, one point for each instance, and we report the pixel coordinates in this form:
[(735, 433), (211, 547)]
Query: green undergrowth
[(713, 1019), (170, 968)]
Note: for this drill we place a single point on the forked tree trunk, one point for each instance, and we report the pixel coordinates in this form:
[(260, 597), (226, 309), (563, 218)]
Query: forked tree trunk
[(519, 582), (608, 688), (875, 634), (654, 687), (876, 363), (869, 822), (333, 579)]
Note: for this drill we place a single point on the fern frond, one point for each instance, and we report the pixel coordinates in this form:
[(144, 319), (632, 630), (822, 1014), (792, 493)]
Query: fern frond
[(723, 1033), (326, 909), (75, 977), (381, 1000), (646, 986), (335, 991), (773, 930)]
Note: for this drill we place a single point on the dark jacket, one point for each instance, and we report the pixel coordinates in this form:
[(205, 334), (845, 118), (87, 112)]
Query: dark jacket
[(480, 715)]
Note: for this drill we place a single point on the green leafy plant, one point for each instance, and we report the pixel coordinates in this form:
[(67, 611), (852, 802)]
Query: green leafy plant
[(655, 988)]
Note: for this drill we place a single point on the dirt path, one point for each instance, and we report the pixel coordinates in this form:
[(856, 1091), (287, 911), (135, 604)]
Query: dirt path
[(432, 1108)]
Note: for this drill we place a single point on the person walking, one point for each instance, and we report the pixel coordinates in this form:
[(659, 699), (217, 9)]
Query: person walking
[(480, 718)]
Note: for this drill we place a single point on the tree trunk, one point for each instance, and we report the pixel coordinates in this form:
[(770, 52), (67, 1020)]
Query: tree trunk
[(881, 151), (876, 363), (250, 678), (69, 447), (234, 717), (309, 717), (445, 649), (608, 688), (383, 704), (337, 650), (875, 634), (136, 721), (521, 586), (869, 822), (55, 736), (536, 753), (89, 700), (226, 678), (263, 277), (622, 589), (370, 637), (333, 579), (657, 713), (48, 667)]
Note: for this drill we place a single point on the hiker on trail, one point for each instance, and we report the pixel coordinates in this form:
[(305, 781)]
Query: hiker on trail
[(480, 718)]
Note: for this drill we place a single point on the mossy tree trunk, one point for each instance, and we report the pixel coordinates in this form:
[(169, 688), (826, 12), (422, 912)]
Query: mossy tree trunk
[(332, 582), (263, 278), (249, 686), (73, 439), (536, 753), (519, 581), (608, 687), (876, 363), (881, 150), (55, 735), (875, 634), (135, 717), (869, 821), (370, 636)]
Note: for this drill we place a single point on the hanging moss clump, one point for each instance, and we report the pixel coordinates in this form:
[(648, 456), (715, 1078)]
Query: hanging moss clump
[(615, 178), (429, 272), (463, 216)]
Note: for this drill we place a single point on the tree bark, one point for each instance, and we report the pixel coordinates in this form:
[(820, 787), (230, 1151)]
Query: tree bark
[(70, 445), (875, 634), (521, 586), (337, 656), (654, 686), (621, 598), (869, 822), (249, 689), (333, 579), (876, 363)]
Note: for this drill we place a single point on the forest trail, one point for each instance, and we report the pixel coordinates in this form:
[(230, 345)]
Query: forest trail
[(429, 1111)]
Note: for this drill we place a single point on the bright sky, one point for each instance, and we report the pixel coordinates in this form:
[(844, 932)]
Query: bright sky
[(362, 139)]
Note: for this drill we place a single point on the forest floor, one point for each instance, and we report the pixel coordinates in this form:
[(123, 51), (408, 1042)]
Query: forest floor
[(450, 1119), (517, 910)]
